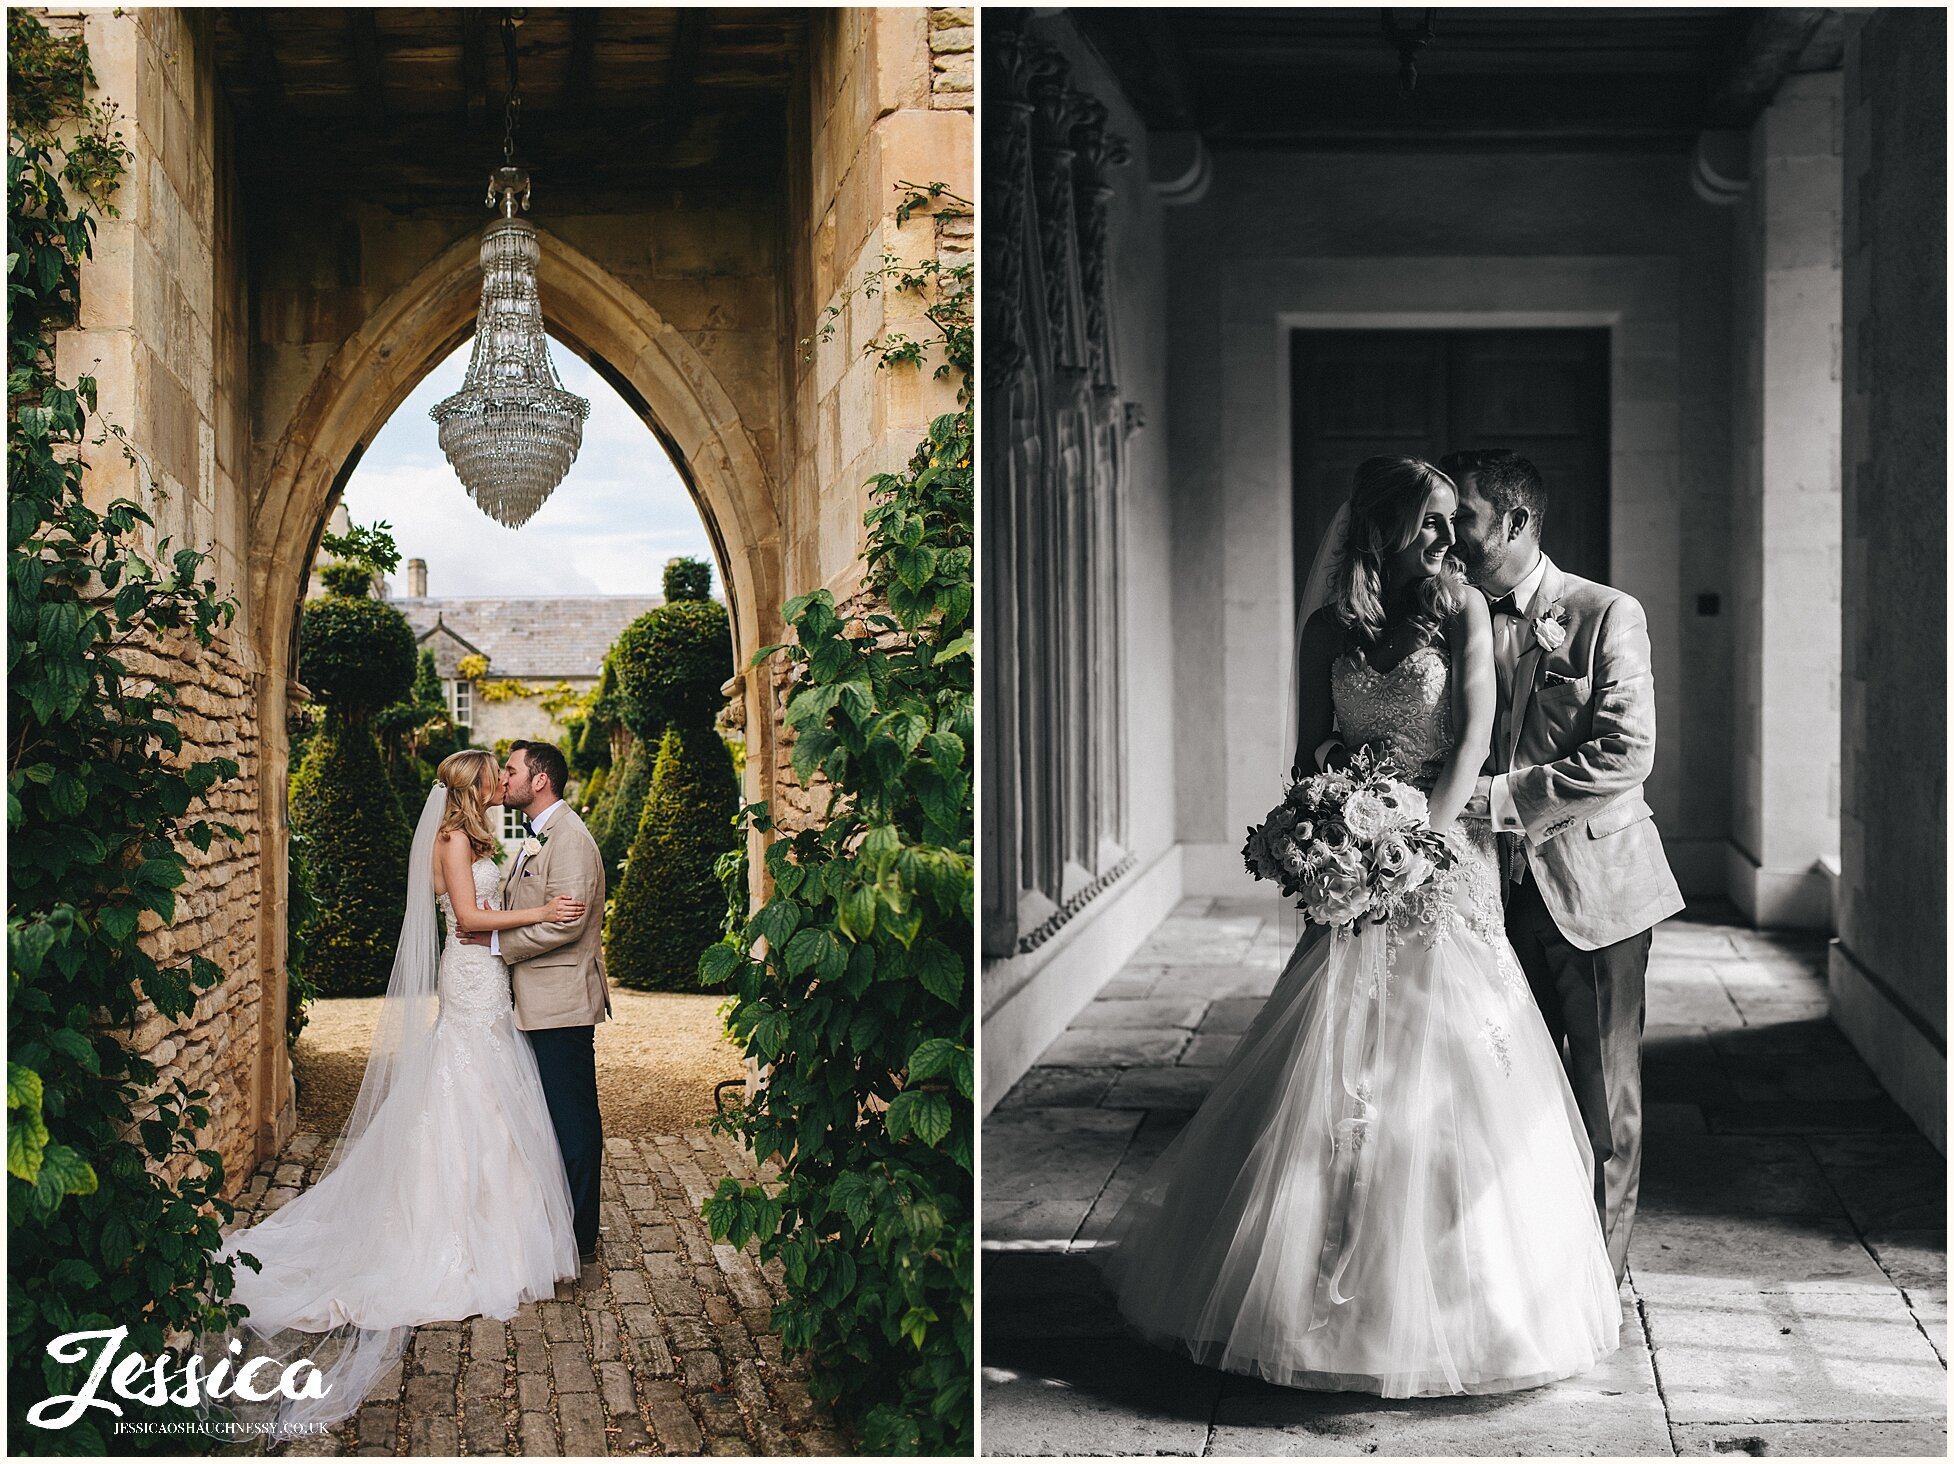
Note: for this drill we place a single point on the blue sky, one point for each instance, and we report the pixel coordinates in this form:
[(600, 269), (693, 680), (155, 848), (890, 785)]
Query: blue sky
[(607, 529)]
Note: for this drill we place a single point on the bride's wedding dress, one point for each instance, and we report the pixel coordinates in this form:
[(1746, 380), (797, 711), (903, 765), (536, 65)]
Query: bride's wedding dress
[(1389, 1188), (446, 1198)]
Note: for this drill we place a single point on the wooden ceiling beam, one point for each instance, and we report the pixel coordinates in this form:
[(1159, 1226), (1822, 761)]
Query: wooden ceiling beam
[(583, 58), (474, 65), (365, 37), (681, 82), (262, 58), (1769, 44)]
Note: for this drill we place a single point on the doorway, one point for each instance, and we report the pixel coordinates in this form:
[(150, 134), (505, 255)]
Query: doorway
[(1424, 393)]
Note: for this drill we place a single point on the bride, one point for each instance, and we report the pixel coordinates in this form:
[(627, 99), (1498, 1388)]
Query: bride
[(446, 1196), (1389, 1188)]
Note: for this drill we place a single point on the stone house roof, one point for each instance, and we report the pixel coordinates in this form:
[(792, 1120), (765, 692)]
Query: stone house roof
[(534, 639)]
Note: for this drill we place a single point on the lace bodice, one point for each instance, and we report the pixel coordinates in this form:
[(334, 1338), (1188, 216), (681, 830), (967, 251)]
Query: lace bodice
[(1407, 709), (474, 982)]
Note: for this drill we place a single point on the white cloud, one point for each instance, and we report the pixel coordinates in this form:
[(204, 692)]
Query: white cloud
[(607, 529)]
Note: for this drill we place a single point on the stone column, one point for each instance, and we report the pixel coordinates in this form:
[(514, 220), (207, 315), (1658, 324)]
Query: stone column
[(1889, 963), (1785, 513)]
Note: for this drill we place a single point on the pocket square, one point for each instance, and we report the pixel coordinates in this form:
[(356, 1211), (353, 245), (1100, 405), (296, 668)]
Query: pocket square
[(1554, 678)]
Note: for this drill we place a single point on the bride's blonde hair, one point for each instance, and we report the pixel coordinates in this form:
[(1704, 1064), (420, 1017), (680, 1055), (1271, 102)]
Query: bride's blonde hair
[(462, 773), (1387, 504)]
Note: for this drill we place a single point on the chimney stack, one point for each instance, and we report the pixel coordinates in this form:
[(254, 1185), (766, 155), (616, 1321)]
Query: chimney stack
[(417, 579)]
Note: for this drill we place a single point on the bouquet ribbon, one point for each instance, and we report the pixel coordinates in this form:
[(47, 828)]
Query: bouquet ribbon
[(1356, 972)]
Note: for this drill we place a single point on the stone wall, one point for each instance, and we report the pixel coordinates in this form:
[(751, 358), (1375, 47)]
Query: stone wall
[(1452, 240), (1889, 963), (887, 101), (252, 354), (1785, 513), (162, 328)]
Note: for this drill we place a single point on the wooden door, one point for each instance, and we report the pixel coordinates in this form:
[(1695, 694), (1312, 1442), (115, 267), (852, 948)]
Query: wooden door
[(1542, 393)]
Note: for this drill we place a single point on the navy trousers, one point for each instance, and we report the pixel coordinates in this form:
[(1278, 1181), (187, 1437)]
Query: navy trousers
[(566, 1059)]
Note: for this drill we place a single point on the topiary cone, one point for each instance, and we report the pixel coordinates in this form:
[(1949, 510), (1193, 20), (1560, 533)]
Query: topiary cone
[(669, 904)]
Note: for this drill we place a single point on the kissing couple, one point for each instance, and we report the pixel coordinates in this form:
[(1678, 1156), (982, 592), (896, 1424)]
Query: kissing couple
[(465, 1183), (1416, 1174)]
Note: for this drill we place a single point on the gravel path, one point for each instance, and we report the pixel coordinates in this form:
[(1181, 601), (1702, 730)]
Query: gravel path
[(657, 1061)]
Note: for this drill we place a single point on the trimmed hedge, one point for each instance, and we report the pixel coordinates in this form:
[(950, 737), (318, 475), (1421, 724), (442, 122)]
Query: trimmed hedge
[(589, 796), (670, 904), (671, 663), (356, 655), (357, 839), (627, 800)]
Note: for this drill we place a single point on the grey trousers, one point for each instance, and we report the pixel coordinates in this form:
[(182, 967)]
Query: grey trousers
[(1595, 1004)]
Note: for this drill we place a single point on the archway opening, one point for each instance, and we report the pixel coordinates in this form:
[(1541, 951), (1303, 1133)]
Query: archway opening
[(513, 630)]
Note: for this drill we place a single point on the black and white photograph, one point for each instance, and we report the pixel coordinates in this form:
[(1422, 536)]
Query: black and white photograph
[(1463, 882)]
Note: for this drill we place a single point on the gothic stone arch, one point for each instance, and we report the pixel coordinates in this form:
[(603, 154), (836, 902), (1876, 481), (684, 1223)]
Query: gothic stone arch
[(651, 364)]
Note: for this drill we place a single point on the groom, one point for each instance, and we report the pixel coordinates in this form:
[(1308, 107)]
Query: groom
[(1572, 745), (557, 969)]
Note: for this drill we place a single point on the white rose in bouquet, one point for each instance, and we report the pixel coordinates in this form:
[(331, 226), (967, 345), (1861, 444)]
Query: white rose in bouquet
[(1365, 815), (1334, 886)]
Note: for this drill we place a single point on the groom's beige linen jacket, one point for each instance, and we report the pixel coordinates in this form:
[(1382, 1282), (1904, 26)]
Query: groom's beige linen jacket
[(557, 969), (1580, 742)]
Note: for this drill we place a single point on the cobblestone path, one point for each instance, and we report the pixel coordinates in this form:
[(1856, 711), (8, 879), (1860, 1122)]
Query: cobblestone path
[(662, 1347), (1787, 1289)]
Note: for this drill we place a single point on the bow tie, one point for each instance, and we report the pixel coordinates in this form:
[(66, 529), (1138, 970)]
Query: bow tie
[(1506, 605), (529, 825)]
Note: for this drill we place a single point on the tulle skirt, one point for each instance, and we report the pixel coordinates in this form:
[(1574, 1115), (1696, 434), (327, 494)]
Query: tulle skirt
[(1388, 1191), (453, 1203)]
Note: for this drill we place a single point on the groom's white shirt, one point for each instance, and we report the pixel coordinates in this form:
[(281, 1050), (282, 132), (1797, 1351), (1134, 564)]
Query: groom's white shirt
[(1509, 635), (536, 826)]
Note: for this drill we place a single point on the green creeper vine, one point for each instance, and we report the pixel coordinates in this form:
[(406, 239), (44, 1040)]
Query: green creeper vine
[(112, 1210), (853, 982)]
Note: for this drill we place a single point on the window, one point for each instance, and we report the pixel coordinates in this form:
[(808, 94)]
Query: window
[(512, 829), (461, 702)]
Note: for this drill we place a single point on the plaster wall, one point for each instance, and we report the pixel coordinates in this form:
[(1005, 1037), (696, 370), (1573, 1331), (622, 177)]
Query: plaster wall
[(1424, 241), (1785, 512), (1889, 963)]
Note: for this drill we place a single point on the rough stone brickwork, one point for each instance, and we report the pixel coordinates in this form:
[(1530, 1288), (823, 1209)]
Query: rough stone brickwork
[(663, 1347), (218, 908), (247, 383), (953, 57)]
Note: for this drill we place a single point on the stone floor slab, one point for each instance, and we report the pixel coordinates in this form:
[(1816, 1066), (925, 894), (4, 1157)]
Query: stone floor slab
[(1053, 1153), (1678, 1256), (1061, 1087), (1232, 1014), (1731, 1175), (1026, 1223), (1171, 1088), (1120, 1398), (1923, 1438), (1147, 1011), (1114, 1047), (1732, 1357)]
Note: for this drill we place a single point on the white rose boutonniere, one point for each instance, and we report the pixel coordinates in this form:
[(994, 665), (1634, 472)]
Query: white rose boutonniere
[(531, 847), (1550, 628)]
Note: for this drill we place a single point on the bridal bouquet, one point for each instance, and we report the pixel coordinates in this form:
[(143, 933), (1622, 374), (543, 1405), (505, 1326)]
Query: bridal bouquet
[(1349, 844)]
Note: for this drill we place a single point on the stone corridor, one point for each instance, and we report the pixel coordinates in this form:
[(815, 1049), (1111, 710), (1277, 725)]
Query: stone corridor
[(662, 1347), (1787, 1287)]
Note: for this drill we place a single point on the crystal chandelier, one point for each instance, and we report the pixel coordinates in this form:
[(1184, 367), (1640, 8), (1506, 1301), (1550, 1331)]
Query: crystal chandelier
[(512, 431)]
